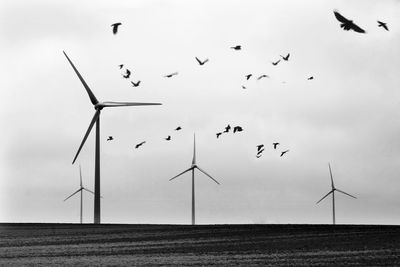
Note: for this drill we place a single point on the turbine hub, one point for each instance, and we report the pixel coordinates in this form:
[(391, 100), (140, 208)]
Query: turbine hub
[(99, 106)]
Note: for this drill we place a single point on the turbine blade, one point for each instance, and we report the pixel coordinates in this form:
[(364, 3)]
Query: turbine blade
[(73, 193), (207, 174), (87, 190), (194, 149), (330, 171), (95, 117), (181, 173), (93, 99), (124, 104), (345, 193), (325, 196), (80, 174)]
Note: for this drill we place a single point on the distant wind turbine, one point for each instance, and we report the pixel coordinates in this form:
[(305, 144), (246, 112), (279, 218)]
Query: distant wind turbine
[(333, 195), (194, 166), (98, 106), (81, 188)]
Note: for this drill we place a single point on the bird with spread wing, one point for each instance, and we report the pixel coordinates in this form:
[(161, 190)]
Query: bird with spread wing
[(347, 24), (201, 62)]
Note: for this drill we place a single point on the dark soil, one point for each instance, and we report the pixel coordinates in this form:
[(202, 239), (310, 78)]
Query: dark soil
[(207, 245)]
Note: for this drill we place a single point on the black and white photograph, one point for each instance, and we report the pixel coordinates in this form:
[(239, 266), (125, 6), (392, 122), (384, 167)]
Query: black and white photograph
[(200, 133)]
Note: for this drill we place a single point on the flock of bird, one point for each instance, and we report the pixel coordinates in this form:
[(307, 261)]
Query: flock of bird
[(235, 129), (127, 75), (345, 23), (168, 138), (274, 63), (261, 148)]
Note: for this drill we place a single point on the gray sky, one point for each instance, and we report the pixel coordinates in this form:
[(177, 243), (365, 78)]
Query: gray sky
[(348, 115)]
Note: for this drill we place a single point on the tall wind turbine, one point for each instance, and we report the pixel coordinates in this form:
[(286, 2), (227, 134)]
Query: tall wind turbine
[(192, 168), (333, 194), (98, 106), (81, 188)]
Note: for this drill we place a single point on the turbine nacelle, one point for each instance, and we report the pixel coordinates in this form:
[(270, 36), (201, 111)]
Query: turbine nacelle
[(99, 106)]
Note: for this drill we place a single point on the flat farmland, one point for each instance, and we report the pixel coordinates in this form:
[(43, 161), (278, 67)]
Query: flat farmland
[(207, 245)]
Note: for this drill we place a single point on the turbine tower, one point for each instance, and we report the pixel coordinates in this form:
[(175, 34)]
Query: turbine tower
[(98, 106), (81, 188), (333, 195), (192, 168)]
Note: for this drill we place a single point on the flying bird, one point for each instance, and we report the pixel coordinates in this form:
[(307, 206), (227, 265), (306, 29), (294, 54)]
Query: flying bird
[(135, 84), (275, 145), (178, 128), (244, 87), (168, 138), (121, 66), (260, 152), (227, 128), (140, 144), (347, 24), (262, 76), (237, 129), (238, 47), (259, 147), (170, 75), (258, 155), (310, 78), (218, 134), (284, 152), (285, 58), (110, 138), (276, 62), (115, 27), (383, 24), (248, 76), (201, 62), (127, 75)]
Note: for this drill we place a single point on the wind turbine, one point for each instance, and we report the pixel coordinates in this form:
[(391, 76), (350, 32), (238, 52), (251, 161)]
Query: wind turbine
[(192, 168), (333, 194), (98, 106), (81, 188)]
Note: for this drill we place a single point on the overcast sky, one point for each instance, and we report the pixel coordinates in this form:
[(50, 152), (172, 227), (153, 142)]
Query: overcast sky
[(349, 115)]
